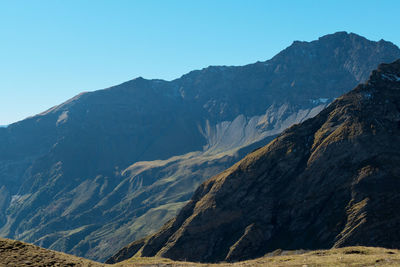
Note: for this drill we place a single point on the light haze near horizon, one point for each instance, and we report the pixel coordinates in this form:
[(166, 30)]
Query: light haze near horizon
[(53, 50)]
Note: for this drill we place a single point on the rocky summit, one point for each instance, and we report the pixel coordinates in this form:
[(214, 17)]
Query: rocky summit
[(331, 181), (108, 167)]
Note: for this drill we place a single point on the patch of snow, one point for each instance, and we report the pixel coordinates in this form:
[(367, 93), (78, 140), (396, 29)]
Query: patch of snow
[(62, 118), (319, 100), (16, 199), (367, 95), (182, 92), (391, 77), (314, 111)]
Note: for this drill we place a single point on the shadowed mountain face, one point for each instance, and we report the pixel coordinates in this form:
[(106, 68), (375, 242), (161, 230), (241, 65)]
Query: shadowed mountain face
[(110, 166), (330, 181)]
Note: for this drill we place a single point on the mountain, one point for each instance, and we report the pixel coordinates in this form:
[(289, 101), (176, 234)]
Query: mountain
[(331, 181), (107, 167)]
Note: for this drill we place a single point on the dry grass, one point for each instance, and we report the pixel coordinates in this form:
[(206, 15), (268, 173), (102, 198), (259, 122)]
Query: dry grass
[(16, 253), (350, 256)]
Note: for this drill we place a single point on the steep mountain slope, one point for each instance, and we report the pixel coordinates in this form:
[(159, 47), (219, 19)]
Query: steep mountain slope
[(330, 181), (103, 162)]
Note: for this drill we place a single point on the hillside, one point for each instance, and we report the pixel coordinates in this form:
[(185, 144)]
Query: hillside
[(331, 181), (17, 254), (107, 167), (20, 254), (339, 257)]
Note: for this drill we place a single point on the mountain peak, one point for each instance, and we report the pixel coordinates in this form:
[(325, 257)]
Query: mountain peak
[(339, 35), (337, 47)]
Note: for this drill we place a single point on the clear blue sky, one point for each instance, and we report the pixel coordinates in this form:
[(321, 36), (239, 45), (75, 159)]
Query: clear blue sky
[(52, 50)]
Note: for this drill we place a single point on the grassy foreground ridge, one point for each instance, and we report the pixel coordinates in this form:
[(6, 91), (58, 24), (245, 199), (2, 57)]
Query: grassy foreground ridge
[(16, 253)]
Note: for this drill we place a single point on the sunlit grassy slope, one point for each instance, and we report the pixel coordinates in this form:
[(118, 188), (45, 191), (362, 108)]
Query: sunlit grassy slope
[(16, 253), (349, 256)]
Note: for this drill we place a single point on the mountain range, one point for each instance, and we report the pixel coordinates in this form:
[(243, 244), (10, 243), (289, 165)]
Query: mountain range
[(331, 181), (107, 167)]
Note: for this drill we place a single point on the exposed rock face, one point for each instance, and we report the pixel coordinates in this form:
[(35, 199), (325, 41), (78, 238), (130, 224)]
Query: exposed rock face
[(330, 181), (110, 166)]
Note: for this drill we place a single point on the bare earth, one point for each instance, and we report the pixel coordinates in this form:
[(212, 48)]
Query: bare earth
[(16, 253)]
